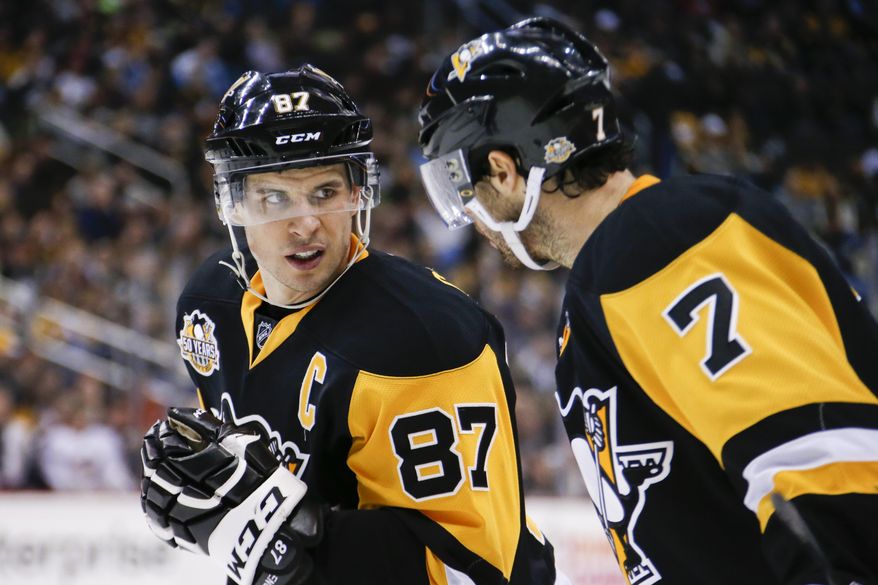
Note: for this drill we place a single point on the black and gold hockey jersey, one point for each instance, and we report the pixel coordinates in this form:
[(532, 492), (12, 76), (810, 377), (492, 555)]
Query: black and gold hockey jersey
[(392, 400), (711, 354)]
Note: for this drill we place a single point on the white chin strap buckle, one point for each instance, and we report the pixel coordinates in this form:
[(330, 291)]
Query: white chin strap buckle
[(510, 229)]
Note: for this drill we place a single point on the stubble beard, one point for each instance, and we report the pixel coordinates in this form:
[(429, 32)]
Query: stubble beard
[(540, 239), (498, 242)]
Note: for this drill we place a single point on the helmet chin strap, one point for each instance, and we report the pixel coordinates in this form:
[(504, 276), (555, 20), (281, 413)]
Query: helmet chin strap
[(509, 229), (240, 270)]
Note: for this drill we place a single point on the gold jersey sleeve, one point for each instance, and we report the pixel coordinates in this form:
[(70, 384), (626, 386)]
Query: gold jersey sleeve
[(443, 445), (736, 329)]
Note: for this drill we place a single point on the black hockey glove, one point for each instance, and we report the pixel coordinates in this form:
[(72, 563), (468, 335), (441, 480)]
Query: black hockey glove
[(217, 489)]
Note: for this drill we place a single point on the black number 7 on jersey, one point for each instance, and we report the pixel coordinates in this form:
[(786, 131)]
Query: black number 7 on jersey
[(425, 444), (725, 347)]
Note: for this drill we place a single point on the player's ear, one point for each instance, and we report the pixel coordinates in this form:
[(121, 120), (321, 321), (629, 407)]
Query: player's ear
[(354, 197), (503, 173)]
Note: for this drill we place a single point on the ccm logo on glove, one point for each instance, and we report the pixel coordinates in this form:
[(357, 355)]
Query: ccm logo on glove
[(264, 511)]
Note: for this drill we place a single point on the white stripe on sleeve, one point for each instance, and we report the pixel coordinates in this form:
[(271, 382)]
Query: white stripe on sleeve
[(807, 452)]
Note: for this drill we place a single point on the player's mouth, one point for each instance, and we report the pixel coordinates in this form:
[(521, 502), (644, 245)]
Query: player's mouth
[(305, 259)]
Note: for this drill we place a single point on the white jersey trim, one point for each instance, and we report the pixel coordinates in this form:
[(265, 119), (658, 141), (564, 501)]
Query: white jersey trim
[(807, 452), (455, 577)]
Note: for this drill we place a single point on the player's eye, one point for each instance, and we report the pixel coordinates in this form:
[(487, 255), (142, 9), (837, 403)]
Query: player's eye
[(325, 193), (274, 198)]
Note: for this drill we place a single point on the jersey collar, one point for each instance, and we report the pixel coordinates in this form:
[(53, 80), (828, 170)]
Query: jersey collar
[(640, 183), (286, 326)]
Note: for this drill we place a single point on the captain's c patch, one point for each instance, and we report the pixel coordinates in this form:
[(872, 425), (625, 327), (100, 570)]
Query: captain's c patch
[(198, 344)]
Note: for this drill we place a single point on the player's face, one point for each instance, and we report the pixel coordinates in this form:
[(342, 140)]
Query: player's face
[(299, 256)]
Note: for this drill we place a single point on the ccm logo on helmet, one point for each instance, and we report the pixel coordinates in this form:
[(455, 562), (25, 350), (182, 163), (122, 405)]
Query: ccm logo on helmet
[(303, 137)]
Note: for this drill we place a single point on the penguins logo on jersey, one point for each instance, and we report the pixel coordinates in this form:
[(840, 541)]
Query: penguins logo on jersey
[(618, 477), (287, 452), (198, 344)]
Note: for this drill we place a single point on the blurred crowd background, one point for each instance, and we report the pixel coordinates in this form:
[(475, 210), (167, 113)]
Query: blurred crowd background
[(106, 203)]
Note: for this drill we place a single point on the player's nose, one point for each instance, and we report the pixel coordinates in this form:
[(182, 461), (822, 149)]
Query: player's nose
[(304, 225)]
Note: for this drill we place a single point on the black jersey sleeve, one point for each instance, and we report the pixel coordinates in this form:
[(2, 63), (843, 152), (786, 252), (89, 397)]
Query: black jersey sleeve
[(210, 301), (371, 547)]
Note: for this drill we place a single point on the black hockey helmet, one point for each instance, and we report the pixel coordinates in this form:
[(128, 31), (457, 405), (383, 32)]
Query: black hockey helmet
[(274, 121), (536, 88)]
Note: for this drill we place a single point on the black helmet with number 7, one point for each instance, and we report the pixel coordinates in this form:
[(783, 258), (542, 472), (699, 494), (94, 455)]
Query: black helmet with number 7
[(536, 89)]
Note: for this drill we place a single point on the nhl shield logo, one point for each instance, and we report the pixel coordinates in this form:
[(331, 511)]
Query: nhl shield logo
[(262, 333), (198, 344), (559, 150)]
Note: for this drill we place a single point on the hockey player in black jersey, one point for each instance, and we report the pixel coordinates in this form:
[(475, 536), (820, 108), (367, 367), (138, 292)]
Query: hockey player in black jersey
[(357, 414), (717, 377)]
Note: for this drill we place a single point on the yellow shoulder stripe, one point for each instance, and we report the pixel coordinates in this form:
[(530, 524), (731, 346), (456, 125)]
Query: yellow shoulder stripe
[(534, 529), (846, 477), (435, 570)]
